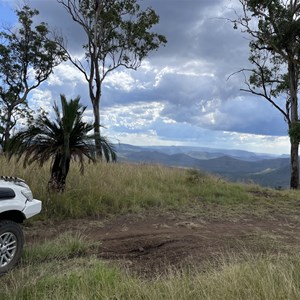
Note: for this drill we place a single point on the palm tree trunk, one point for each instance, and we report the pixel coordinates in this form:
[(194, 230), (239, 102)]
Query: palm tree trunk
[(59, 174)]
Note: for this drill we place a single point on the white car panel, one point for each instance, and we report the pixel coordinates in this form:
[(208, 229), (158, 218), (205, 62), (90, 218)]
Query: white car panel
[(23, 200)]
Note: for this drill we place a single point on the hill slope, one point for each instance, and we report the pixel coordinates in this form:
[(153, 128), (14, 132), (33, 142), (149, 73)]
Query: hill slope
[(236, 165)]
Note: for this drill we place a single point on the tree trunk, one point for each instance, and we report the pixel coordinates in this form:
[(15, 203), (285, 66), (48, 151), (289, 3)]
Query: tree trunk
[(6, 137), (7, 128), (96, 111), (96, 91), (293, 87), (294, 183)]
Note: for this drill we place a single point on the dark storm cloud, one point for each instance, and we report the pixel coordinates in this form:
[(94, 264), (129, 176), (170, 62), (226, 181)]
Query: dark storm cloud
[(60, 21)]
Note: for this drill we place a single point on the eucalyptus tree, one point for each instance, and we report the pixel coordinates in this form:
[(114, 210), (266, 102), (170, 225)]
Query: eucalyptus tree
[(28, 55), (60, 139), (274, 30), (118, 34)]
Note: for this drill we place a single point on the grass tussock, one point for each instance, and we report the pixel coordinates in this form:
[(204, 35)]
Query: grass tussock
[(107, 189), (65, 246)]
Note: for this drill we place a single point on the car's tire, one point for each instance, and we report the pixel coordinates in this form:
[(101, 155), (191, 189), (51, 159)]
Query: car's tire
[(11, 245)]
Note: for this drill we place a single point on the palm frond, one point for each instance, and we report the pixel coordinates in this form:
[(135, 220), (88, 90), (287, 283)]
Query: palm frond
[(66, 135)]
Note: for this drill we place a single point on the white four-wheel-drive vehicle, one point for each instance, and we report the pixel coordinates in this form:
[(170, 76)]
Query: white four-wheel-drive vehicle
[(16, 205)]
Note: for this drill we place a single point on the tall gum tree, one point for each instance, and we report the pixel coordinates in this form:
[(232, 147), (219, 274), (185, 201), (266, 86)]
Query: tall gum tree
[(27, 58), (274, 29), (118, 34)]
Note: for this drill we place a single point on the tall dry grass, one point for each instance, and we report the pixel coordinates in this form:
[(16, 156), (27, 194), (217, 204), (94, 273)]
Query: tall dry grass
[(107, 189), (243, 278), (58, 269)]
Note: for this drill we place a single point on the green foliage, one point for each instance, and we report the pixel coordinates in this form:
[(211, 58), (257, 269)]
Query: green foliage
[(60, 140), (275, 49), (119, 29), (46, 138), (294, 132), (27, 58)]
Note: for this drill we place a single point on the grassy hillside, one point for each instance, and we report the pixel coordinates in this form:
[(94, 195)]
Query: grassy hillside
[(61, 268), (107, 189), (246, 167)]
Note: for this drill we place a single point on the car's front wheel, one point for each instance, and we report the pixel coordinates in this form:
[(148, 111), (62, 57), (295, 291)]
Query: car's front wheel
[(11, 245)]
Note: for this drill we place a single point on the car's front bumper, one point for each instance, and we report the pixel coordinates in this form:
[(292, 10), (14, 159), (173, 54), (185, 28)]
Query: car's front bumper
[(32, 208)]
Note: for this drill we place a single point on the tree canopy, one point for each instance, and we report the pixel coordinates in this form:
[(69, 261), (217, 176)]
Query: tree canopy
[(274, 29), (118, 34), (27, 58)]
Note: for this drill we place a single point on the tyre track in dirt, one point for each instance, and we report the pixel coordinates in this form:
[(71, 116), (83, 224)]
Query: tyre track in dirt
[(153, 242)]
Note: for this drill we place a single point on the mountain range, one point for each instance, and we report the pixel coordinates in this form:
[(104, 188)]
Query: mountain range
[(235, 165)]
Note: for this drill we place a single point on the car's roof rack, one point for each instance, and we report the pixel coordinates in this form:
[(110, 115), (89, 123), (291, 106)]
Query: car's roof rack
[(11, 178)]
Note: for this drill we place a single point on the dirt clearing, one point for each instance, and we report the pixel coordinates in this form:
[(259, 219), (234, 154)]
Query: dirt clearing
[(149, 243)]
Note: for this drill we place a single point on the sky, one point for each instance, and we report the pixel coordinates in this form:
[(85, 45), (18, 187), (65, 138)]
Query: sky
[(183, 93)]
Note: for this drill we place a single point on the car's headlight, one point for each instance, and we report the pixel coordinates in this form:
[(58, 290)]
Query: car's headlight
[(27, 194)]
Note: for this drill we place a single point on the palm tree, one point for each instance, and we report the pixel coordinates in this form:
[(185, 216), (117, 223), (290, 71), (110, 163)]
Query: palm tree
[(62, 139)]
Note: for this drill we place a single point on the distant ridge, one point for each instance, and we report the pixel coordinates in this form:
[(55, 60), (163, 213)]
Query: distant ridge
[(236, 165)]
